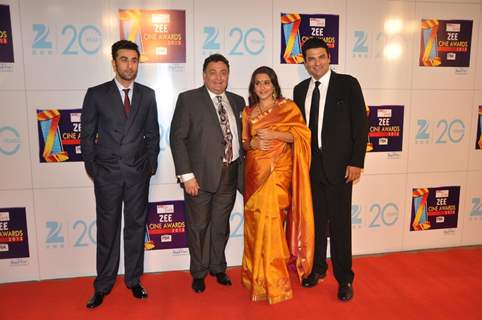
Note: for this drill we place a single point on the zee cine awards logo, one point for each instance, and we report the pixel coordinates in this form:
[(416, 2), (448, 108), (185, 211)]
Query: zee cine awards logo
[(160, 34), (297, 28), (59, 135), (13, 233), (166, 226)]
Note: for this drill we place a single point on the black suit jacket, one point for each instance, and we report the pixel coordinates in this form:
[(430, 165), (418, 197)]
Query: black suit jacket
[(344, 133), (116, 148), (196, 138)]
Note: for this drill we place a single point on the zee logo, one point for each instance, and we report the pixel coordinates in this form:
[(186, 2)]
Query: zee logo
[(476, 211), (54, 238), (84, 234), (388, 45), (380, 215), (445, 131), (72, 40), (360, 47), (241, 42), (237, 219)]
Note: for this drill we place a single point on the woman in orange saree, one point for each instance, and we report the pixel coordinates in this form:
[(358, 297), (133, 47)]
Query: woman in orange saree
[(278, 213)]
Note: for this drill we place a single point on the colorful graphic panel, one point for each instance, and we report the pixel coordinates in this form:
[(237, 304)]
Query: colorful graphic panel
[(297, 28), (160, 34), (13, 233), (59, 135), (445, 43), (166, 226), (385, 128), (434, 208)]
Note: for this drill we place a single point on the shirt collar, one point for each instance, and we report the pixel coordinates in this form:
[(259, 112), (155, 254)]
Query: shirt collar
[(324, 80), (121, 87), (214, 95)]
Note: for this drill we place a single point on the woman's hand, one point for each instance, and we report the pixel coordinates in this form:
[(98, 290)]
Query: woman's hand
[(260, 144), (267, 134)]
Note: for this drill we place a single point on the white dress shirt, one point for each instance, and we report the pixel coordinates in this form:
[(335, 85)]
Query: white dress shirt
[(324, 81), (120, 87)]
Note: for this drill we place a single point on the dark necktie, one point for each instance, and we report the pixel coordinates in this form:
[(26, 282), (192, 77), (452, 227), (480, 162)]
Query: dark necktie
[(228, 136), (314, 112), (127, 102)]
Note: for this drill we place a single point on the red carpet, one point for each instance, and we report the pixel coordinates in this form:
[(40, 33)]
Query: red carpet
[(424, 285)]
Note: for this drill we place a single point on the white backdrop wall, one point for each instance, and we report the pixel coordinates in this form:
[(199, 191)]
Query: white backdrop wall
[(63, 47)]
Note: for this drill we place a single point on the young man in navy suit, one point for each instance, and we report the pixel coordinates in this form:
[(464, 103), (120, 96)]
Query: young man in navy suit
[(120, 145)]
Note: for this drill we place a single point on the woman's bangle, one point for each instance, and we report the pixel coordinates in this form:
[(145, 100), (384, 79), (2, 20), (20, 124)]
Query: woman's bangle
[(251, 146)]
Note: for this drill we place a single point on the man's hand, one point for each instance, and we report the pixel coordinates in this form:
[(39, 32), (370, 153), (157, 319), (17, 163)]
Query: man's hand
[(352, 173), (191, 187)]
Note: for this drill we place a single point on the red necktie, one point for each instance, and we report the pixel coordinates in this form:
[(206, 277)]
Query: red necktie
[(127, 102)]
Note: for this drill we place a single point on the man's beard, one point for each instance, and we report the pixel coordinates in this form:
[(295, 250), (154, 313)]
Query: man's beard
[(125, 77)]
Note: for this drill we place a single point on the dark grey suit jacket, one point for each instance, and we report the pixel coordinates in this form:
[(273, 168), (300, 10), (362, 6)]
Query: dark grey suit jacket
[(197, 142), (115, 147), (344, 133)]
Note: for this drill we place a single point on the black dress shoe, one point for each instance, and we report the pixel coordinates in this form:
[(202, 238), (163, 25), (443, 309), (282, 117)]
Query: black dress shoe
[(95, 300), (313, 279), (198, 285), (139, 292), (345, 292), (222, 278)]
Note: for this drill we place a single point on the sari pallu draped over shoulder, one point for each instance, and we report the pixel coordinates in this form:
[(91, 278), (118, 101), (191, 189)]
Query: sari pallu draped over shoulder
[(277, 190)]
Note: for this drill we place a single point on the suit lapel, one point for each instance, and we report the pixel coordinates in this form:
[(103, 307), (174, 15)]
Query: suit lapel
[(136, 105), (330, 94), (117, 105), (330, 100)]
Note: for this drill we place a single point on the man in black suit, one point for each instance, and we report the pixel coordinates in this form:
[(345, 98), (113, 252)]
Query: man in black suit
[(334, 106), (120, 145), (205, 142)]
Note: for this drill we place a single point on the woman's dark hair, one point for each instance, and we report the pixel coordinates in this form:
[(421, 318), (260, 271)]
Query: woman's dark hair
[(253, 98)]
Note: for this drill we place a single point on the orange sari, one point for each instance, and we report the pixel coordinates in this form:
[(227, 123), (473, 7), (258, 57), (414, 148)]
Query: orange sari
[(277, 196)]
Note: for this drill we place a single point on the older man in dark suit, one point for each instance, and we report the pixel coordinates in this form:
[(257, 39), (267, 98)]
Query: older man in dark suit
[(334, 106), (120, 145), (206, 146)]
